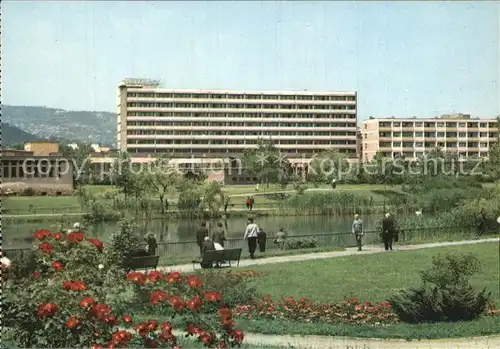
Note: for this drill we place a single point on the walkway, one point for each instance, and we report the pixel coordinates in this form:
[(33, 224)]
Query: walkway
[(369, 249)]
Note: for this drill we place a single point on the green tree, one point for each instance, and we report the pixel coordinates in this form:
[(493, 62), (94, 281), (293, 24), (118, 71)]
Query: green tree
[(161, 179), (267, 163), (213, 197), (123, 175), (328, 165)]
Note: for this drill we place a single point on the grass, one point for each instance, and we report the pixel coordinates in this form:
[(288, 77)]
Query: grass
[(373, 278), (65, 204)]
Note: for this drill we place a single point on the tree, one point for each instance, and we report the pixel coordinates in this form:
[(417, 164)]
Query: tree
[(161, 179), (123, 175), (213, 197), (267, 163), (80, 156), (328, 165)]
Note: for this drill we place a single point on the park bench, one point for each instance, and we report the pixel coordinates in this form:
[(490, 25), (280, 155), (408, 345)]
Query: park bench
[(142, 262), (222, 258)]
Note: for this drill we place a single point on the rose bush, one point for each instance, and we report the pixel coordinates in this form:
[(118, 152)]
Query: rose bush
[(71, 301)]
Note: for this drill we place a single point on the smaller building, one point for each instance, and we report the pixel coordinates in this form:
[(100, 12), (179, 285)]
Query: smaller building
[(40, 168)]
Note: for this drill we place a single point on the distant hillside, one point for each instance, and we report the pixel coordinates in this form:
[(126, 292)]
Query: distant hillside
[(12, 135), (83, 126)]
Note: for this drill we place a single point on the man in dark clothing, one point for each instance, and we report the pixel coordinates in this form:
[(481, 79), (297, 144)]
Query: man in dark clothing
[(207, 245), (481, 224), (261, 240), (388, 231), (201, 234)]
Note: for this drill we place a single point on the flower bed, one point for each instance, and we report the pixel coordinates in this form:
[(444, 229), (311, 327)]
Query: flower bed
[(74, 299), (304, 310)]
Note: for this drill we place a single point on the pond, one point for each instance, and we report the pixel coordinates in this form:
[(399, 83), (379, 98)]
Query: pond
[(185, 230)]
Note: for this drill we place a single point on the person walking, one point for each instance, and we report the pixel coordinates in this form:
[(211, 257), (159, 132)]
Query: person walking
[(481, 223), (357, 230), (280, 238), (262, 240), (247, 202), (388, 231), (200, 235), (220, 234), (251, 232)]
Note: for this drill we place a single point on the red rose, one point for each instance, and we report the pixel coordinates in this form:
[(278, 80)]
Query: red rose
[(238, 336), (152, 325), (207, 338), (213, 296), (155, 276), (157, 297), (57, 266), (72, 322), (111, 320), (46, 310), (150, 343), (176, 302), (74, 285), (42, 234), (137, 277), (45, 247), (174, 277), (97, 243), (87, 302), (57, 236), (36, 275), (194, 304), (192, 329), (194, 281), (96, 346), (127, 319), (75, 237)]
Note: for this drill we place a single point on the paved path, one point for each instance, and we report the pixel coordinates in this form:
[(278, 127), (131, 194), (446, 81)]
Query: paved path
[(370, 249)]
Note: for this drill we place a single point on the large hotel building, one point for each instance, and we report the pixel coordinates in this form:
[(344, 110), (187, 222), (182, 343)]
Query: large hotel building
[(214, 125), (414, 137)]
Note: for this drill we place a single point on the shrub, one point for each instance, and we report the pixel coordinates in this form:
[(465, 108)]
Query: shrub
[(300, 188), (123, 243), (68, 302), (445, 295), (300, 243)]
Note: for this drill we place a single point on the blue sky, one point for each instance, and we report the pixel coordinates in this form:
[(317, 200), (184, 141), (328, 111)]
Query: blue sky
[(404, 59)]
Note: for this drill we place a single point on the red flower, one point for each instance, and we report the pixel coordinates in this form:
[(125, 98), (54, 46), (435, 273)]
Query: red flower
[(97, 243), (157, 297), (45, 247), (57, 236), (57, 266), (177, 303), (46, 310), (207, 338), (155, 276), (194, 304), (193, 281), (150, 343), (152, 325), (120, 337), (87, 302), (75, 237), (192, 329), (137, 277), (42, 234), (213, 296), (111, 320), (36, 275), (127, 319), (238, 336), (74, 285), (72, 322), (174, 277), (100, 311), (96, 346)]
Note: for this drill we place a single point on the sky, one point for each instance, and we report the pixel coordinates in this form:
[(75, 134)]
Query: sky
[(403, 58)]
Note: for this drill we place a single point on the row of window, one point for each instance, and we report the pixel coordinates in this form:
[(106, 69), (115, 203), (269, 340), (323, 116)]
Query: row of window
[(237, 141), (236, 124), (475, 124), (229, 133), (290, 97), (31, 172), (439, 134), (241, 106), (186, 152), (433, 144), (242, 115), (421, 154)]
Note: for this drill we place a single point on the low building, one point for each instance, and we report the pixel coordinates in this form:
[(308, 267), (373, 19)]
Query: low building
[(40, 168)]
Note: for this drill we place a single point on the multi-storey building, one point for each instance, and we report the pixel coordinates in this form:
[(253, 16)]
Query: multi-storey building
[(210, 125), (414, 137)]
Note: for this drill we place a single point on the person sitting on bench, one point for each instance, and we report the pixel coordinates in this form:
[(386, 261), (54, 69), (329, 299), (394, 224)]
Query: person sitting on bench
[(208, 245)]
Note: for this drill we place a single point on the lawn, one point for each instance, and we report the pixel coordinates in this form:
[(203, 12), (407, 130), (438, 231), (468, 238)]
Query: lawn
[(67, 204), (372, 278)]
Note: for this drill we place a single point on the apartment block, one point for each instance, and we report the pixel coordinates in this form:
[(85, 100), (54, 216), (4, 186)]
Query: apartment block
[(412, 137), (210, 125)]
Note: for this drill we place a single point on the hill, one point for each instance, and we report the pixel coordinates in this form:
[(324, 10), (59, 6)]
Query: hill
[(83, 126), (12, 135)]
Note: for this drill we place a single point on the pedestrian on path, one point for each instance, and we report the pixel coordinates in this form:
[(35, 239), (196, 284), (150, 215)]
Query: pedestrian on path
[(220, 234), (388, 231), (261, 240), (200, 235), (280, 238), (357, 230), (251, 232)]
